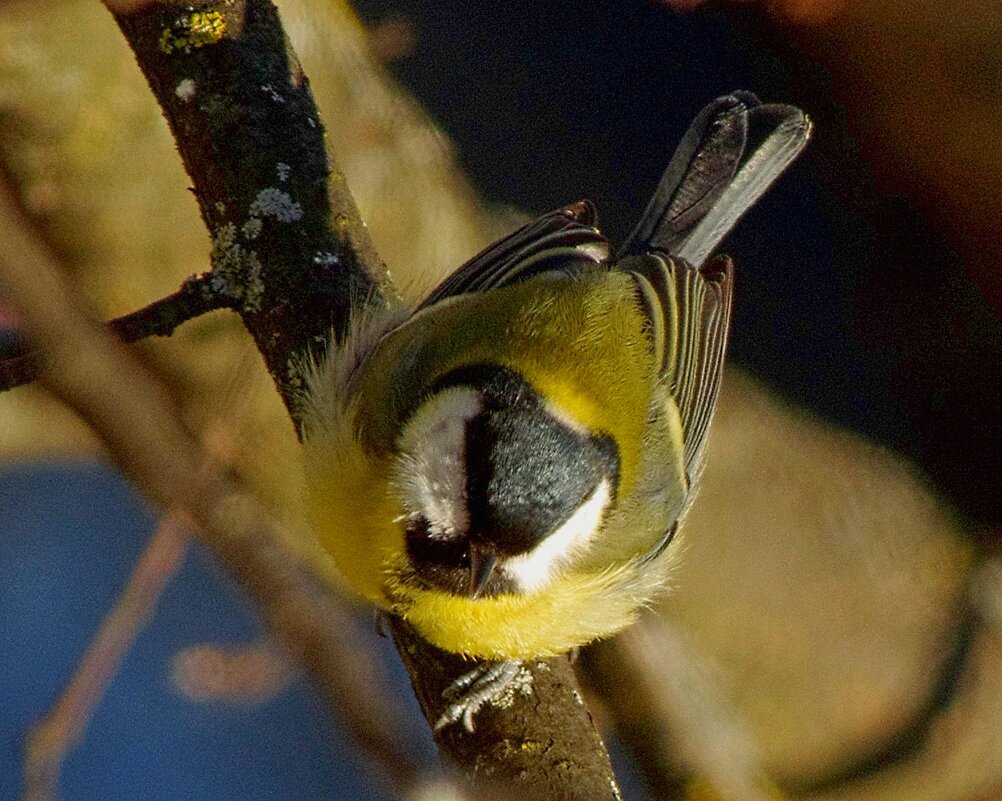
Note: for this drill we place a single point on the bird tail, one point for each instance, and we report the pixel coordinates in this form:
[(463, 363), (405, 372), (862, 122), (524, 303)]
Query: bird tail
[(731, 154)]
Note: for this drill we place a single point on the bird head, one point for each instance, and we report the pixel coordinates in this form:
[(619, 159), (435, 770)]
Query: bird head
[(500, 488)]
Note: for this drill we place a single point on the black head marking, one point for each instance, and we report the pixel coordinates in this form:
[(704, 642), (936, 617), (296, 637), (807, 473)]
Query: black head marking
[(448, 564), (527, 471)]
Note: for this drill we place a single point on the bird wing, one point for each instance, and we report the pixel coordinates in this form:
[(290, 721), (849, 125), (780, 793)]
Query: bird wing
[(565, 240), (733, 151), (688, 312)]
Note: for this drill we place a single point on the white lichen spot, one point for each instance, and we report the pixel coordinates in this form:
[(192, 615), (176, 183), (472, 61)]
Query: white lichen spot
[(224, 242), (324, 258), (311, 122), (270, 90), (521, 683), (235, 270), (615, 789), (252, 228), (272, 202), (577, 698), (185, 89), (217, 283), (282, 170)]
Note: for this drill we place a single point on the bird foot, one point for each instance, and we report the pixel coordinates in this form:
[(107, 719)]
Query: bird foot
[(484, 684)]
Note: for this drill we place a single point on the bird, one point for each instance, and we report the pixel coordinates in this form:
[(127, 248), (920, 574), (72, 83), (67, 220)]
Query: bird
[(505, 464)]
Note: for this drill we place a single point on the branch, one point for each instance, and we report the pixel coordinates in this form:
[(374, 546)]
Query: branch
[(52, 737), (161, 318), (543, 746), (289, 245)]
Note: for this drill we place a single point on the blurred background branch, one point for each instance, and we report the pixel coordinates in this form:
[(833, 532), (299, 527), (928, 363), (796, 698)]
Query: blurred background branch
[(143, 434), (62, 727)]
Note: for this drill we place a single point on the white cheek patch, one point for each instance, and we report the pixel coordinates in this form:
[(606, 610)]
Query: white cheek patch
[(431, 472), (533, 570)]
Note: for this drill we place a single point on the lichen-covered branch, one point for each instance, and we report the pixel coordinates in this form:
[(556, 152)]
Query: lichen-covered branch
[(288, 242), (536, 743)]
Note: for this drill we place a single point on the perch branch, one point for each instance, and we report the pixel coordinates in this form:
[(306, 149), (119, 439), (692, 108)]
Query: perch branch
[(542, 746)]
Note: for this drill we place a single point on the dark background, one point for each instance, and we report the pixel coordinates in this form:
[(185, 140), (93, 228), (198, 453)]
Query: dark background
[(851, 300)]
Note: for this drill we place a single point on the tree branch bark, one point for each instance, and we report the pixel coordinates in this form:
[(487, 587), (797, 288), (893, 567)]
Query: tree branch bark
[(159, 319), (289, 246), (542, 747)]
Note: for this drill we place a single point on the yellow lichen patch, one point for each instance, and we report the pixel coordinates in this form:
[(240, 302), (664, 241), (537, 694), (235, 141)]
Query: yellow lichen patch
[(532, 748), (197, 29)]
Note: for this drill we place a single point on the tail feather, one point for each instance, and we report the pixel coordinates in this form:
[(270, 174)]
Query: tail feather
[(733, 151)]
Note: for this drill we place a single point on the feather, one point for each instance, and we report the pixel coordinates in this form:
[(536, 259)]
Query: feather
[(688, 314), (732, 153), (565, 240)]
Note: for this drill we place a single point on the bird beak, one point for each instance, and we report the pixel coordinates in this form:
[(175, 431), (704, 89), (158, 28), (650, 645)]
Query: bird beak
[(482, 564)]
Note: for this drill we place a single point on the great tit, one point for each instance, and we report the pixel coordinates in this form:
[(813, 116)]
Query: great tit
[(505, 465)]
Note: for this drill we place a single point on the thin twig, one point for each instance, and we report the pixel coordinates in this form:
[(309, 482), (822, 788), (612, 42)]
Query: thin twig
[(196, 297), (52, 737)]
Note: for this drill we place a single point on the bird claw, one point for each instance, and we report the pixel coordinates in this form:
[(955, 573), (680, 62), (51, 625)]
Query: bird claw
[(467, 694)]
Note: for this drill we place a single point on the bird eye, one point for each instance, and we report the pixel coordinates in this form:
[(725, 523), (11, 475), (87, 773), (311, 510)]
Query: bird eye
[(445, 564), (423, 547)]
